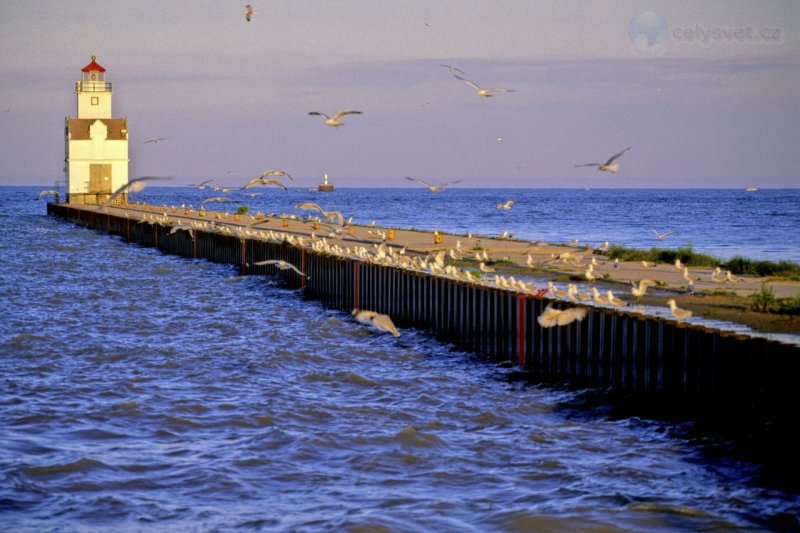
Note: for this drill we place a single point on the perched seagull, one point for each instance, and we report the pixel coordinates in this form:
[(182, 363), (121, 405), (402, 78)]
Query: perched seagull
[(641, 289), (613, 300), (281, 264), (433, 188), (717, 276), (376, 320), (506, 206), (555, 317), (336, 121), (156, 141), (603, 247), (134, 185), (248, 12), (486, 93), (453, 69), (677, 312), (648, 264), (662, 236), (678, 264), (609, 165), (216, 199), (50, 191), (485, 268)]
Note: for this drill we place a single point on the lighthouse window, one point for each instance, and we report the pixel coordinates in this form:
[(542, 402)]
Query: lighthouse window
[(95, 100), (94, 76)]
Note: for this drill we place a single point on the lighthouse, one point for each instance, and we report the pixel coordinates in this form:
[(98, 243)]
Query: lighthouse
[(96, 144)]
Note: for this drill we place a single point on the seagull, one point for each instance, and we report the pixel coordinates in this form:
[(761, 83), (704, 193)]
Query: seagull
[(453, 69), (202, 184), (376, 320), (50, 191), (281, 264), (506, 206), (677, 312), (613, 300), (556, 317), (134, 185), (277, 183), (609, 165), (662, 236), (217, 199), (433, 188), (268, 173), (248, 12), (156, 141), (336, 121), (330, 215), (485, 268), (641, 289), (486, 93)]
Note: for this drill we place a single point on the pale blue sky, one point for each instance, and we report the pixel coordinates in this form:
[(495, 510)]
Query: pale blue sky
[(233, 95)]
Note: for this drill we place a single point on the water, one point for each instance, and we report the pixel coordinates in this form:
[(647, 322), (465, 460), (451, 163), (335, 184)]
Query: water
[(759, 225), (146, 392)]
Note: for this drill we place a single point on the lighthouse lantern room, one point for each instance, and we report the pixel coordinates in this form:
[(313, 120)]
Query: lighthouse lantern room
[(96, 144)]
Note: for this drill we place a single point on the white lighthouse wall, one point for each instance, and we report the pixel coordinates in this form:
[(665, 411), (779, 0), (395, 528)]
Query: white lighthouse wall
[(94, 104)]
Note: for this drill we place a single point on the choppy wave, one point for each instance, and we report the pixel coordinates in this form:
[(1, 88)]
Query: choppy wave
[(144, 392)]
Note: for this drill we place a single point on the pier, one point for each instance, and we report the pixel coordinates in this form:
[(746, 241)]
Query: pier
[(616, 350)]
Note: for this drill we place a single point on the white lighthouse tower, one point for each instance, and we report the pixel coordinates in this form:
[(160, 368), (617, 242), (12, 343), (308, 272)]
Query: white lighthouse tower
[(96, 144)]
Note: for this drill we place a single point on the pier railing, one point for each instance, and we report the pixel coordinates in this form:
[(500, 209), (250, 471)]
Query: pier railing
[(609, 349)]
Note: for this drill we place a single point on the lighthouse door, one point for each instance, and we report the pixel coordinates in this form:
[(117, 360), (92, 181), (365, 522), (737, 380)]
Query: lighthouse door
[(99, 179)]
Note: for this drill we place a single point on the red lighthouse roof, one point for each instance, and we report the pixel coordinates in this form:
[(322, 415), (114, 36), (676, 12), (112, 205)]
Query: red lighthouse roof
[(93, 67)]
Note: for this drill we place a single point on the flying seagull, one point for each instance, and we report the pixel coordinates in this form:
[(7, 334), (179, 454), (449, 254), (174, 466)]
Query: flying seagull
[(156, 141), (268, 173), (202, 185), (134, 185), (281, 264), (506, 206), (336, 121), (329, 215), (50, 191), (486, 93), (248, 12), (453, 69), (433, 188), (556, 317), (609, 165), (662, 236), (216, 199), (376, 320)]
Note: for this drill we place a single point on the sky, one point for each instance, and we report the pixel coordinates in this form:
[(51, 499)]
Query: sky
[(705, 92)]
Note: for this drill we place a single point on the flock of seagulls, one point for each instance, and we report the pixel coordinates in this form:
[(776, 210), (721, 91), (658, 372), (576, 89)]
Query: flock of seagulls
[(433, 263)]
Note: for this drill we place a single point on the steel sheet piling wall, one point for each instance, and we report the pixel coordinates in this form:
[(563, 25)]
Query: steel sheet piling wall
[(608, 349)]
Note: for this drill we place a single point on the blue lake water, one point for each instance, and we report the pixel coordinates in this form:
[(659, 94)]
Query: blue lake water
[(720, 222), (146, 392)]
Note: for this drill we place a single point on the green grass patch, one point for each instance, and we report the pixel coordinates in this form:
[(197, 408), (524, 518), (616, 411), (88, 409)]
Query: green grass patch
[(765, 301), (687, 255)]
